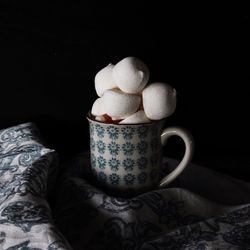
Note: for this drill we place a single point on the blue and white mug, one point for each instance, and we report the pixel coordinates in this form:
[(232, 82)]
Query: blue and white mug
[(129, 156)]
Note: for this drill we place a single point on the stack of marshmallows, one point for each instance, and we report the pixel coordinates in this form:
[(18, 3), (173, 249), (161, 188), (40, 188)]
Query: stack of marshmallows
[(125, 97)]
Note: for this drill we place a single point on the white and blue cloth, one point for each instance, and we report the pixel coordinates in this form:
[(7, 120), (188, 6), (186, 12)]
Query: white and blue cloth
[(202, 210)]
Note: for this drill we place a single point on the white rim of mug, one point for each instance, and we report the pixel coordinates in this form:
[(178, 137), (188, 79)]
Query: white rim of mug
[(89, 118)]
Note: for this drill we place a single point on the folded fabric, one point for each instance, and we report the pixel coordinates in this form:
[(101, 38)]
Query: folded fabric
[(187, 215), (201, 210), (26, 166)]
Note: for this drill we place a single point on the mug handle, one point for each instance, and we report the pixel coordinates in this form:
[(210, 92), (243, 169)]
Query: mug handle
[(189, 148)]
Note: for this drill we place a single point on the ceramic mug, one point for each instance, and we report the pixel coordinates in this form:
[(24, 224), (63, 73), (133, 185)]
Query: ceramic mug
[(129, 156)]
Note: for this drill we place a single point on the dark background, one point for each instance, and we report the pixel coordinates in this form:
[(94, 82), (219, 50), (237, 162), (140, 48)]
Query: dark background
[(49, 55)]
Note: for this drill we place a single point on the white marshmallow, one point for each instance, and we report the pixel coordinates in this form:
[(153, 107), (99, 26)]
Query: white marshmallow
[(100, 118), (131, 75), (104, 80), (118, 104), (97, 107), (159, 100), (138, 117)]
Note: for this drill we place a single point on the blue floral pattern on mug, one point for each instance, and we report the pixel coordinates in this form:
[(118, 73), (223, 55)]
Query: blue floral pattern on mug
[(92, 144), (129, 179), (128, 164), (142, 162), (113, 132), (93, 160), (142, 177), (128, 148), (142, 147), (114, 179), (101, 147), (114, 164), (99, 130), (91, 129), (127, 133), (102, 177), (113, 148), (101, 162), (142, 131), (125, 149)]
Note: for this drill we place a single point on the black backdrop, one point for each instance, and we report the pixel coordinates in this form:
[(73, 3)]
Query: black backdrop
[(50, 54)]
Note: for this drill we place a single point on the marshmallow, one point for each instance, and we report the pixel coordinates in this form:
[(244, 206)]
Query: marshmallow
[(159, 100), (120, 105), (97, 107), (104, 80), (131, 75), (100, 118), (138, 117)]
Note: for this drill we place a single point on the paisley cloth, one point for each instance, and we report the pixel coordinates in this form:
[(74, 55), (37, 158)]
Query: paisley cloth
[(26, 168), (201, 210)]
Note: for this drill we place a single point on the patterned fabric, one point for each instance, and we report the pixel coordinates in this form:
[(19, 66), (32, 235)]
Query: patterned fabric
[(201, 210), (172, 218), (26, 167)]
